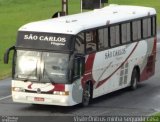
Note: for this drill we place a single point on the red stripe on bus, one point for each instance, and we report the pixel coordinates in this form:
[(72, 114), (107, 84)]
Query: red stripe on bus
[(149, 69), (105, 80), (88, 69)]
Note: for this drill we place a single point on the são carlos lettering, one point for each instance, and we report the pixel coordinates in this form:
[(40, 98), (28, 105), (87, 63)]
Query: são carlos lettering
[(54, 40), (110, 54)]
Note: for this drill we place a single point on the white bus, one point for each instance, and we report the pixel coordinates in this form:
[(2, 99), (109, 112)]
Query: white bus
[(73, 59)]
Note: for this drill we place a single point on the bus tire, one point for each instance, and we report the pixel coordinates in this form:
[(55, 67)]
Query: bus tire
[(87, 94), (134, 79)]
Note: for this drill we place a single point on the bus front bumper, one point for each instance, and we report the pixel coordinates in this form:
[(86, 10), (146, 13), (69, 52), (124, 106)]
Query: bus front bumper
[(46, 99)]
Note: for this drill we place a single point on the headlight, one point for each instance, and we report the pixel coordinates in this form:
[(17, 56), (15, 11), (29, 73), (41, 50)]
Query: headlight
[(18, 89)]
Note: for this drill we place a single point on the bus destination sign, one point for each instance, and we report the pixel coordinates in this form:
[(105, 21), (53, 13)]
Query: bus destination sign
[(53, 40), (39, 40)]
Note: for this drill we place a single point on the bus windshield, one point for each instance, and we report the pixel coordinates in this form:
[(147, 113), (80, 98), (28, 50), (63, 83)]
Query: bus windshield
[(42, 66)]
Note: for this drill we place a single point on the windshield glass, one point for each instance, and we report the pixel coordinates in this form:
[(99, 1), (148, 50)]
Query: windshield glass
[(27, 65), (42, 66), (55, 67)]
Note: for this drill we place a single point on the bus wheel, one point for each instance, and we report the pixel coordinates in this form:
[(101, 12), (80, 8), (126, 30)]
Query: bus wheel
[(87, 94), (134, 79)]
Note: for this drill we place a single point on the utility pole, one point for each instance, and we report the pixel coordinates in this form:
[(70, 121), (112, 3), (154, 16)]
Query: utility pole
[(65, 6)]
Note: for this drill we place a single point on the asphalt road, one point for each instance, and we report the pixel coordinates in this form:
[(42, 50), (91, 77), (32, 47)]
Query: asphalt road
[(142, 102)]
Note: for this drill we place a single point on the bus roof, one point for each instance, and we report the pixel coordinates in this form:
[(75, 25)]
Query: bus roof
[(73, 24)]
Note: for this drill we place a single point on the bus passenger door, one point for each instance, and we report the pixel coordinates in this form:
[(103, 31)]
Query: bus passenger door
[(78, 67), (77, 73)]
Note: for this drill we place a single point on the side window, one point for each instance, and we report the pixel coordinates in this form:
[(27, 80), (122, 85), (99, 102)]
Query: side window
[(153, 25), (149, 27), (79, 43), (114, 35), (146, 27), (103, 38), (139, 29), (136, 29), (106, 43), (126, 32), (91, 41)]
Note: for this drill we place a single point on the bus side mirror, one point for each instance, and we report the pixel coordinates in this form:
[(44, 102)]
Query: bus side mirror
[(6, 55)]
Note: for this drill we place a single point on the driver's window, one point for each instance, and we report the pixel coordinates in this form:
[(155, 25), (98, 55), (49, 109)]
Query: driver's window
[(91, 37), (79, 44)]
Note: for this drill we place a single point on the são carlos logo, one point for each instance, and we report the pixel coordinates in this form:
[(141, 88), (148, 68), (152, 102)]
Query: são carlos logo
[(52, 39)]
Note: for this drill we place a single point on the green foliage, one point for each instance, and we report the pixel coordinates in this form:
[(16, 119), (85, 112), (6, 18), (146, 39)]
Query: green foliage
[(154, 118), (15, 13)]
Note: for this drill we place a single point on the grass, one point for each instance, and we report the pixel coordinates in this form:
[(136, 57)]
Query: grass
[(154, 118), (15, 13)]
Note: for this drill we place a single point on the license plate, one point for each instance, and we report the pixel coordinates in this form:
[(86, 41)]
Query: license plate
[(39, 99)]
